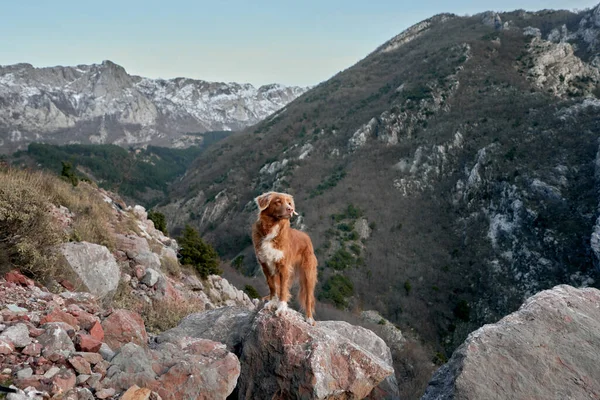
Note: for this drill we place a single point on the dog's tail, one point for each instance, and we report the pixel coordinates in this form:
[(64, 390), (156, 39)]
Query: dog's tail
[(308, 281)]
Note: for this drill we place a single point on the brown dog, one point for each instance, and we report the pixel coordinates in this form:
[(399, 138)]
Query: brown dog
[(283, 252)]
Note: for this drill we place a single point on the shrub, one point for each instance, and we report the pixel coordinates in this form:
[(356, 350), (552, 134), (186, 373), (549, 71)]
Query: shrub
[(407, 287), (251, 292), (160, 222), (341, 260), (68, 173), (336, 289), (194, 251)]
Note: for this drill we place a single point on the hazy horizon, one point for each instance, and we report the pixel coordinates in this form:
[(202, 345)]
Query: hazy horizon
[(257, 43)]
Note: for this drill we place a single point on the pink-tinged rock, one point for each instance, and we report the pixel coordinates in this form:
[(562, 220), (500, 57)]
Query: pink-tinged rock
[(139, 271), (67, 285), (96, 331), (84, 319), (284, 357), (83, 300), (16, 277), (33, 349), (35, 332), (105, 393), (63, 381), (198, 369), (548, 349), (36, 381), (87, 343), (169, 292), (56, 343), (137, 393), (92, 358), (124, 326), (6, 346), (80, 365), (101, 367), (57, 315)]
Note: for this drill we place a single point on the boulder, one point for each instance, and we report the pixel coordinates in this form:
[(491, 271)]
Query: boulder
[(227, 325), (87, 343), (93, 266), (56, 341), (18, 278), (388, 388), (138, 250), (17, 334), (150, 277), (548, 349), (190, 369), (285, 357), (124, 326), (57, 315)]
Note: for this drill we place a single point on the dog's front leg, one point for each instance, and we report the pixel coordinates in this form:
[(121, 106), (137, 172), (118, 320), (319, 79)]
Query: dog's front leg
[(283, 287)]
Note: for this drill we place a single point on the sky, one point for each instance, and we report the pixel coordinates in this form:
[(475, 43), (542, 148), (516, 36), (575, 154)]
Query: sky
[(301, 42)]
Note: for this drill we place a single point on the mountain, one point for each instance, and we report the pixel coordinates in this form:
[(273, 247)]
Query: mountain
[(103, 104), (444, 178)]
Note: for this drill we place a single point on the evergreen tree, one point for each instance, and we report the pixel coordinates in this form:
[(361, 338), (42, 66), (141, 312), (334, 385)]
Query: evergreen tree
[(194, 251)]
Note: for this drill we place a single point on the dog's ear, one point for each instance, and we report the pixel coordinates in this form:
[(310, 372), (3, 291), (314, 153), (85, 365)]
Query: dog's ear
[(263, 201)]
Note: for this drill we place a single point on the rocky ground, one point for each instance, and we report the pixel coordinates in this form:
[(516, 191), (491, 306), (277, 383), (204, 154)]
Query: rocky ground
[(96, 332), (67, 346)]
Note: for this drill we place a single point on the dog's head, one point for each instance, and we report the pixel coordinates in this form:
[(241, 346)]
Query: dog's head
[(276, 205)]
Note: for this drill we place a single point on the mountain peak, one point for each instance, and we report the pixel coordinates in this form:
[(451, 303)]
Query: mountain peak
[(102, 103)]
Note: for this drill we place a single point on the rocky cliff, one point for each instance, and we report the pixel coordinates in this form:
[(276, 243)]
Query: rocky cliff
[(102, 103)]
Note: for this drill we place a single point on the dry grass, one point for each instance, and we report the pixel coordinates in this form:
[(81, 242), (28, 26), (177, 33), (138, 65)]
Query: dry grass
[(159, 315), (28, 232), (171, 265), (125, 298), (164, 315)]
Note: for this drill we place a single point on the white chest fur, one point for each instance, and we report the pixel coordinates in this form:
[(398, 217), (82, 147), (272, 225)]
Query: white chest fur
[(268, 253)]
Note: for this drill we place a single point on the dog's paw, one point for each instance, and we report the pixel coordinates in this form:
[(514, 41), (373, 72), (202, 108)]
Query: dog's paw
[(310, 321), (281, 308), (272, 304)]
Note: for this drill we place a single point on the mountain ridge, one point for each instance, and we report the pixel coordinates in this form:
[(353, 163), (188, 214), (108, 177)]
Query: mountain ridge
[(464, 150), (102, 103)]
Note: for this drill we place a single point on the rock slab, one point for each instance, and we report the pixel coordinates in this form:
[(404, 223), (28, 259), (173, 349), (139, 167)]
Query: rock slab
[(283, 357), (94, 266), (548, 349)]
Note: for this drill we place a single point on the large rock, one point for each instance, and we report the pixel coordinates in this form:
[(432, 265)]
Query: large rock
[(138, 249), (548, 349), (55, 341), (226, 325), (17, 334), (283, 357), (94, 267), (189, 369), (388, 388), (124, 326)]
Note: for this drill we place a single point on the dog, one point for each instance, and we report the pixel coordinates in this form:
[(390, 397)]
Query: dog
[(284, 253)]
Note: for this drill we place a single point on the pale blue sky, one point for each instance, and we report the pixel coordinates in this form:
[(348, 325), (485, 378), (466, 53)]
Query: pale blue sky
[(300, 42)]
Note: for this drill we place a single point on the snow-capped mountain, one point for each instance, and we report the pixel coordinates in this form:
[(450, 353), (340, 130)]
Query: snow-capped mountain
[(102, 103)]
